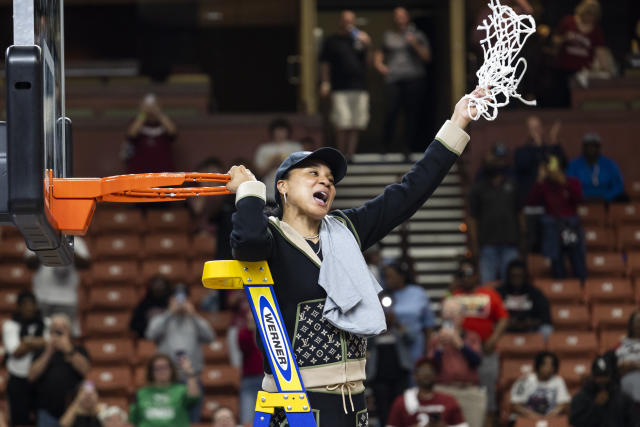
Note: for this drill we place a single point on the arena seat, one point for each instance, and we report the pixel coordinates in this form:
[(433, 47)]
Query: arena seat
[(514, 345), (120, 402), (174, 219), (624, 214), (633, 264), (145, 349), (574, 371), (8, 299), (599, 238), (567, 344), (116, 246), (629, 237), (116, 351), (112, 220), (4, 378), (538, 265), (561, 290), (203, 246), (140, 377), (211, 402), (115, 271), (166, 245), (12, 248), (633, 190), (197, 293), (175, 270), (106, 324), (111, 380), (542, 422), (216, 352), (15, 274), (512, 369), (612, 316), (605, 263), (611, 339), (220, 321), (570, 317), (112, 298), (221, 379), (592, 214), (608, 289)]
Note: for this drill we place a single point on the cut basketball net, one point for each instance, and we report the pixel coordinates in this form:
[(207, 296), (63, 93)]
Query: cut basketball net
[(501, 72)]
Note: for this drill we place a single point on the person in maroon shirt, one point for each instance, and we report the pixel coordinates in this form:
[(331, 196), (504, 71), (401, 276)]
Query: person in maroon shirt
[(422, 406), (149, 146), (252, 371), (561, 230)]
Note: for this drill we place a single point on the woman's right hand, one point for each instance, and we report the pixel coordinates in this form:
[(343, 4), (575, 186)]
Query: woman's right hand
[(239, 174)]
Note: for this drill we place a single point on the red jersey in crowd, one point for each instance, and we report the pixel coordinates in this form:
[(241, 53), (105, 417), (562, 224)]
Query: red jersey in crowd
[(559, 199), (151, 150), (483, 308), (409, 410), (251, 356), (577, 50)]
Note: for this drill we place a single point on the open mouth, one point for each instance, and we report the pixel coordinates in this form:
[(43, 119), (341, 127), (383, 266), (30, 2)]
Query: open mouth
[(321, 198)]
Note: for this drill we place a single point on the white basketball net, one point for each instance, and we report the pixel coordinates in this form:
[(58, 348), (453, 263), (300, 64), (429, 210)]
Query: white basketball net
[(501, 73)]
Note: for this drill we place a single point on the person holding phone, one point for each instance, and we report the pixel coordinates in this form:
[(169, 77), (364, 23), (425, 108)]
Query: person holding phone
[(83, 411), (180, 332), (57, 371)]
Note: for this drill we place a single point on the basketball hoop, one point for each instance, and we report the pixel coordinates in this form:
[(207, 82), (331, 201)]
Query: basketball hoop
[(501, 73), (73, 200)]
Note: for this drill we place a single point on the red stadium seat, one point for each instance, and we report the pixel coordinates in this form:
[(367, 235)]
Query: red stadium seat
[(602, 290), (538, 265), (8, 299), (111, 379), (512, 369), (107, 324), (633, 264), (633, 190), (116, 246), (15, 275), (221, 379), (220, 321), (520, 345), (612, 316), (542, 422), (561, 290), (177, 219), (572, 317), (118, 220), (574, 371), (12, 248), (145, 349), (573, 344), (592, 214), (611, 339), (217, 352), (212, 402), (112, 298), (605, 263), (204, 246), (629, 237), (165, 245), (622, 214), (121, 272), (599, 238), (117, 351), (174, 270)]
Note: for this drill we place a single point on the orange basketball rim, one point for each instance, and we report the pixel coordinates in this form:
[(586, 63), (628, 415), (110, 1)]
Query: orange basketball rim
[(72, 201)]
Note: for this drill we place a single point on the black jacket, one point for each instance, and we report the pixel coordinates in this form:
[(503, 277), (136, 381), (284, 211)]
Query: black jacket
[(619, 411)]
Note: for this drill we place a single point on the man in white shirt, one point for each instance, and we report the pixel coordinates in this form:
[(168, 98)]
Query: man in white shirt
[(541, 393)]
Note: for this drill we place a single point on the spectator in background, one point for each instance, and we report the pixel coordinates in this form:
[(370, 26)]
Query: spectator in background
[(224, 417), (599, 175), (149, 145), (628, 359), (373, 258), (561, 230), (401, 60), (164, 401), (83, 411), (496, 224), (457, 354), (252, 371), (541, 393), (601, 403), (484, 314), (343, 68), (22, 335), (411, 307), (270, 154), (155, 301), (527, 306), (180, 332), (422, 406), (56, 372), (536, 151), (56, 288), (578, 41)]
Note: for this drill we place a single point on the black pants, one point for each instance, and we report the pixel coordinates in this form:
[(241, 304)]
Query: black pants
[(328, 411), (19, 395), (407, 96)]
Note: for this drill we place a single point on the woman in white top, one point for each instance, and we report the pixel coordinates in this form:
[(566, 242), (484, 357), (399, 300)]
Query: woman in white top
[(21, 335)]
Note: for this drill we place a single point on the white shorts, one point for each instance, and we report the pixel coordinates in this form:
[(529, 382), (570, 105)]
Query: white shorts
[(350, 109)]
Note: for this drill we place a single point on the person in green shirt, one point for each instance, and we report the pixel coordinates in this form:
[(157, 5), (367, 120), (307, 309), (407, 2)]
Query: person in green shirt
[(165, 402)]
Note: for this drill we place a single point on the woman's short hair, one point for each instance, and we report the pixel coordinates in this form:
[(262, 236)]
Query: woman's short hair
[(150, 373), (539, 360)]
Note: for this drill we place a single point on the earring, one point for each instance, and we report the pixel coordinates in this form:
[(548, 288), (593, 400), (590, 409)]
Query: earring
[(284, 195)]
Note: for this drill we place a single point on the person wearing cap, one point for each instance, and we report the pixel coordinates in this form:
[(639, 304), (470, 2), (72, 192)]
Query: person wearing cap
[(599, 175), (601, 403), (327, 295), (496, 225)]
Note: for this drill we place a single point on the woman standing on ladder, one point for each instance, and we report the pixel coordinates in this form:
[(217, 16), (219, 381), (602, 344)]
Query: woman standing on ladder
[(327, 296)]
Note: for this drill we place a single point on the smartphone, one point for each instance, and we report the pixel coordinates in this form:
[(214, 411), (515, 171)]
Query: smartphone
[(181, 297), (354, 33)]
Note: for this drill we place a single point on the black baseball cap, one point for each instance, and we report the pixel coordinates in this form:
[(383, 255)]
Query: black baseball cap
[(330, 156), (601, 367)]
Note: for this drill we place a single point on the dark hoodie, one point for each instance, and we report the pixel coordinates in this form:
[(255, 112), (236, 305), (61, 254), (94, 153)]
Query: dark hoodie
[(528, 307)]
